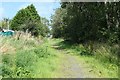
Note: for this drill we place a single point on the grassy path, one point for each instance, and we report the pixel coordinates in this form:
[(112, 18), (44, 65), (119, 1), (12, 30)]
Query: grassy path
[(52, 58), (67, 65), (71, 68)]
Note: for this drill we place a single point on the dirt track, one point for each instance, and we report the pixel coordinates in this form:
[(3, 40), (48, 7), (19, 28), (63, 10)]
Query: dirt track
[(71, 68)]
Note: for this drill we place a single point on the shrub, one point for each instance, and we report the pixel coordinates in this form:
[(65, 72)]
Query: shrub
[(25, 58), (84, 51)]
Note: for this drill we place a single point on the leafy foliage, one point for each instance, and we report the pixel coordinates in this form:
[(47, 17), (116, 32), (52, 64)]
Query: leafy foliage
[(57, 21), (88, 23), (29, 20), (82, 22), (25, 55)]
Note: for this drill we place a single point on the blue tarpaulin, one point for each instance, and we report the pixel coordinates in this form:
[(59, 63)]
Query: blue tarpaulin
[(7, 33)]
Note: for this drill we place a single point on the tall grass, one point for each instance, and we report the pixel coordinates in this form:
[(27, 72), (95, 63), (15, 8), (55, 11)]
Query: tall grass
[(34, 57), (103, 59), (22, 54)]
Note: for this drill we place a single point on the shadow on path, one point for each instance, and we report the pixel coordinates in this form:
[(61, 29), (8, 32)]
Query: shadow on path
[(70, 66)]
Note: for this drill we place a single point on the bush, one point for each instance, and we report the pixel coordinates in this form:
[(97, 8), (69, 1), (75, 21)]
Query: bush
[(20, 56), (84, 51), (25, 58)]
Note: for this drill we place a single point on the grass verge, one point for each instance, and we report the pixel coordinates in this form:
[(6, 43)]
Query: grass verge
[(27, 58), (97, 63)]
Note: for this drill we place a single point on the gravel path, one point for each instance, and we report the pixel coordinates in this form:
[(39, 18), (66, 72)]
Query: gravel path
[(71, 68)]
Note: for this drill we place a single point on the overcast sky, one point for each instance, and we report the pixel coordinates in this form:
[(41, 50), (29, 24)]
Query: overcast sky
[(45, 9)]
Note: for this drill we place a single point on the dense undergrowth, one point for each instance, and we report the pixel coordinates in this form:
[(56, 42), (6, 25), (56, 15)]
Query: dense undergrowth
[(103, 60), (27, 57)]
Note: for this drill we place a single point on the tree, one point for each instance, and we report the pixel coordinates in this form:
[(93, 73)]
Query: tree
[(5, 23), (57, 22), (45, 24), (113, 18), (83, 22), (28, 19)]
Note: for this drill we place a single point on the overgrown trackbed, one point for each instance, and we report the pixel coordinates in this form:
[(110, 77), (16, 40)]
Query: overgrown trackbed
[(71, 68), (70, 65)]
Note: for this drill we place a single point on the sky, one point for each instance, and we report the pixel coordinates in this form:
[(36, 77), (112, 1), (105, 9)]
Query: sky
[(45, 9)]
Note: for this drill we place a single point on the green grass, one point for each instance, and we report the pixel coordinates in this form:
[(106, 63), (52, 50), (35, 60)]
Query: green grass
[(31, 58), (103, 70), (98, 64), (27, 59), (47, 67)]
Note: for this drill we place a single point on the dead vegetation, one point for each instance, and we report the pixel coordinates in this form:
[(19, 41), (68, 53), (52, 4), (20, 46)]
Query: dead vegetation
[(6, 42)]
